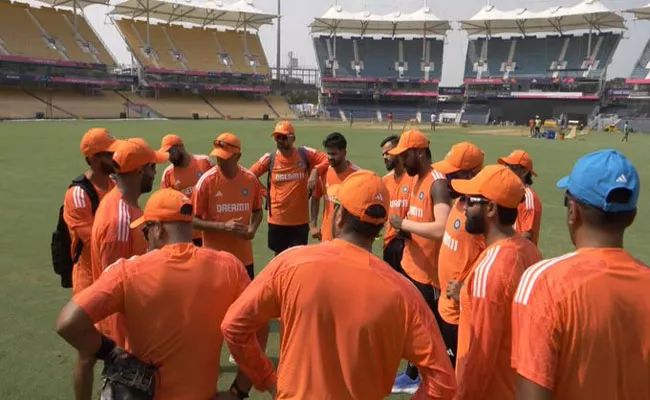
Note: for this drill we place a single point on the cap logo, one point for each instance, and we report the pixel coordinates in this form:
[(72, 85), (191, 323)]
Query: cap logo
[(379, 197), (185, 198), (621, 179), (448, 154)]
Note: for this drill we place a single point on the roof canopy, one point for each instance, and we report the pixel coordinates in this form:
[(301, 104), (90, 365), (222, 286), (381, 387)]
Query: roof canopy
[(74, 3), (590, 14), (641, 12), (242, 14), (338, 20)]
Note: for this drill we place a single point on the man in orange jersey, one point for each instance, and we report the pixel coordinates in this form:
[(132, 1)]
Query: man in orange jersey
[(529, 216), (399, 185), (347, 317), (330, 176), (184, 171), (429, 207), (459, 248), (228, 203), (484, 331), (288, 170), (581, 322), (173, 300), (97, 147)]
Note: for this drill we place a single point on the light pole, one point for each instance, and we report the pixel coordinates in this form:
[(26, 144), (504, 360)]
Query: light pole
[(278, 56)]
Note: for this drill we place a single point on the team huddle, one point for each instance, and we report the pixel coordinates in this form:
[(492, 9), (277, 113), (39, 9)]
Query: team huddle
[(462, 293)]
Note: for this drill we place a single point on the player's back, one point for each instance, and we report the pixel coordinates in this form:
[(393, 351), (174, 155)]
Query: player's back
[(602, 313), (345, 316), (175, 299)]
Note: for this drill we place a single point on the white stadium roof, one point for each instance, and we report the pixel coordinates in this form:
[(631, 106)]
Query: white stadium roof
[(589, 14), (338, 20), (641, 12), (239, 15), (73, 3)]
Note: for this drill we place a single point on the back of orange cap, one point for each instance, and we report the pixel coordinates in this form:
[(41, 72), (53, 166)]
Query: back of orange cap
[(97, 140), (362, 190)]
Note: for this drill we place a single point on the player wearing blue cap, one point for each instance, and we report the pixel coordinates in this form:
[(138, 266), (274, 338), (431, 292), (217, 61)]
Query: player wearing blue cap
[(581, 322)]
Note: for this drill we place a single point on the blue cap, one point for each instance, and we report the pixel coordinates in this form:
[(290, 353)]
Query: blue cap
[(595, 175)]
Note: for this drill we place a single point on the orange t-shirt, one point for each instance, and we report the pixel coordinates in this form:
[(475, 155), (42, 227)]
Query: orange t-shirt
[(339, 338), (420, 259), (484, 331), (529, 215), (327, 188), (173, 301), (458, 252), (184, 179), (219, 199), (289, 189), (581, 325), (399, 188), (112, 238), (78, 216)]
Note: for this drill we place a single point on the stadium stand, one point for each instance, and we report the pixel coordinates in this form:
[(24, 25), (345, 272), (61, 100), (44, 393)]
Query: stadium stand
[(16, 104), (642, 66), (279, 106), (173, 105), (235, 106)]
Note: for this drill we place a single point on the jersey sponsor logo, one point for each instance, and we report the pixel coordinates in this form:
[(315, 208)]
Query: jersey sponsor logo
[(188, 190), (233, 207), (450, 242), (399, 203), (297, 176), (416, 212)]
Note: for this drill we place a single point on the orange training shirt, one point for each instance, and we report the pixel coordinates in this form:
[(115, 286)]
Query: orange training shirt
[(289, 190), (458, 252), (219, 199), (173, 301), (328, 180), (400, 192), (112, 238), (484, 332), (529, 215), (78, 216), (347, 320), (581, 325), (420, 259)]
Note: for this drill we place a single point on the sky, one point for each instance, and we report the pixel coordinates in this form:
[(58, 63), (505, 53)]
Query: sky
[(297, 14)]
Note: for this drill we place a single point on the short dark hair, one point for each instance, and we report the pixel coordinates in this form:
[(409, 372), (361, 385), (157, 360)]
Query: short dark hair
[(427, 151), (366, 229), (394, 139), (335, 140), (608, 220), (507, 216), (528, 179)]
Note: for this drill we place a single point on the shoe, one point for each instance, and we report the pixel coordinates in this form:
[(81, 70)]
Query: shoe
[(404, 384), (231, 360)]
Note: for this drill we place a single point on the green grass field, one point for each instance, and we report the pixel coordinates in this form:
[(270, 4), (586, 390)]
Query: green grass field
[(38, 159)]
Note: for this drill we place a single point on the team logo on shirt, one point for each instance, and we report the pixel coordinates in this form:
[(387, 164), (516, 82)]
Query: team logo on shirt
[(198, 174), (244, 192), (421, 196), (457, 224), (300, 164), (405, 189)]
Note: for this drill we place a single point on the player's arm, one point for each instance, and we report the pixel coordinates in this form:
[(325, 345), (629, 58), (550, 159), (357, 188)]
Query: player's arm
[(258, 212), (528, 390), (78, 213), (257, 305), (164, 180), (317, 159), (425, 348), (526, 217), (441, 207)]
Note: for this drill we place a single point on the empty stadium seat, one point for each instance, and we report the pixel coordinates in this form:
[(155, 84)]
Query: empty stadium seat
[(181, 105), (234, 105), (281, 107)]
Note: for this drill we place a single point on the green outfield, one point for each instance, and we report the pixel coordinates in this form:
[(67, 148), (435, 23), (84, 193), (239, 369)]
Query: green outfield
[(38, 159)]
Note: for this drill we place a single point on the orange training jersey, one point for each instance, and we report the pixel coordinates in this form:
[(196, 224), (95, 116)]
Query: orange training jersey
[(333, 321), (326, 188), (78, 216), (420, 259), (529, 215), (289, 190), (112, 238), (484, 332), (219, 199), (581, 325), (184, 179), (458, 252), (400, 191), (173, 301)]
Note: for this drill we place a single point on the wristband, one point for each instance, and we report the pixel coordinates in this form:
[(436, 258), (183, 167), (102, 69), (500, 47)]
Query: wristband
[(237, 392), (105, 349)]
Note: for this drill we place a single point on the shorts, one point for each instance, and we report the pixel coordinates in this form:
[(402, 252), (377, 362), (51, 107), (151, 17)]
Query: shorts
[(281, 237), (251, 271), (431, 296), (393, 254), (198, 242)]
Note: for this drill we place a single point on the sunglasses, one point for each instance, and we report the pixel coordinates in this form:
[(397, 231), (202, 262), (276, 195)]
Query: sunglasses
[(281, 138), (472, 200), (145, 229), (222, 144)]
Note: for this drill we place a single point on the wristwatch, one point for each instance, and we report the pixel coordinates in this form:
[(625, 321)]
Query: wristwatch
[(237, 392)]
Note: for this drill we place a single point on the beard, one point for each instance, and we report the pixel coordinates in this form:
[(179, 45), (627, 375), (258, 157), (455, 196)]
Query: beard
[(178, 160), (412, 170), (475, 224), (107, 168), (146, 185), (390, 164)]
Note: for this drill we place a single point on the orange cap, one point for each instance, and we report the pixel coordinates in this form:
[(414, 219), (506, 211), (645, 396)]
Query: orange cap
[(361, 190), (226, 145), (166, 205), (519, 157), (97, 140), (495, 183), (464, 156), (411, 139), (170, 141), (134, 153), (283, 128)]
